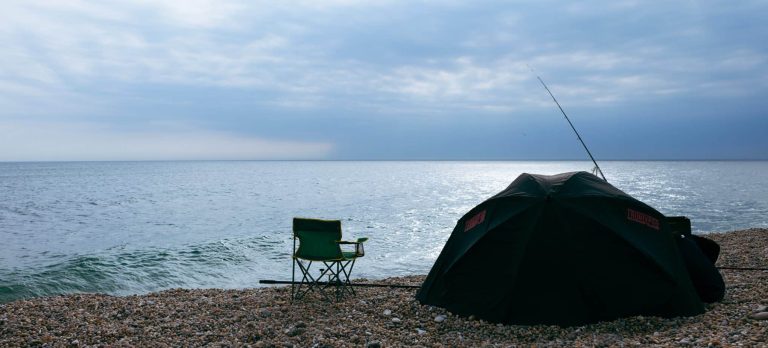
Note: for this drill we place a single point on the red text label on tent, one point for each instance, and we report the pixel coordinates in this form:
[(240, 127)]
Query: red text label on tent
[(645, 219), (474, 221)]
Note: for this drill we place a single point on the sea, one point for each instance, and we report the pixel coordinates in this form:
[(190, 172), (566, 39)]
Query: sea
[(124, 228)]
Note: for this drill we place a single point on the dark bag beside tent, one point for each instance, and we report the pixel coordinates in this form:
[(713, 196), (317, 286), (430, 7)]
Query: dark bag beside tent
[(681, 226), (699, 255), (565, 249), (706, 278)]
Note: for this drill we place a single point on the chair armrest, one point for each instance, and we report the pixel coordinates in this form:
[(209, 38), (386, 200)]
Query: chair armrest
[(359, 250), (359, 241)]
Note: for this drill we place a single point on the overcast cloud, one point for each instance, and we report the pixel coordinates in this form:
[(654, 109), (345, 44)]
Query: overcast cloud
[(82, 80)]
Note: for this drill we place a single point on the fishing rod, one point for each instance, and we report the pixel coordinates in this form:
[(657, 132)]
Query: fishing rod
[(597, 167), (743, 268), (362, 285)]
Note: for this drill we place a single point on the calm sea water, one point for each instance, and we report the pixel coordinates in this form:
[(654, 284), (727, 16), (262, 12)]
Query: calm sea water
[(134, 227)]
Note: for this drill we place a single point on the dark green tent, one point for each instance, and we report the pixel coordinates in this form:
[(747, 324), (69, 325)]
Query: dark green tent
[(565, 249)]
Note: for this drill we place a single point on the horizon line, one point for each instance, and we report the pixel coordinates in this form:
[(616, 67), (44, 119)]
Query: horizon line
[(399, 160)]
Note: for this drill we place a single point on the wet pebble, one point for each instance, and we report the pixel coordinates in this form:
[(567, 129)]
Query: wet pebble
[(294, 331)]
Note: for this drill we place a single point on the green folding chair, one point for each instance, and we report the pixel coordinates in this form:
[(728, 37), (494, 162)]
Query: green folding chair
[(320, 242)]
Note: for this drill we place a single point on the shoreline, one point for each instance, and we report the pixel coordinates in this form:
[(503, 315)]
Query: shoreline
[(376, 317)]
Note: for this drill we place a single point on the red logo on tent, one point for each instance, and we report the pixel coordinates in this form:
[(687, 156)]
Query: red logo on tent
[(474, 221), (645, 219)]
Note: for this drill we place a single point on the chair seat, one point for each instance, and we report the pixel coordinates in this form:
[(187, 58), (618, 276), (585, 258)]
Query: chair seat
[(349, 255), (345, 256)]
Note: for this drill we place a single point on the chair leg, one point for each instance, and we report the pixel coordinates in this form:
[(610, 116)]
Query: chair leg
[(339, 281), (308, 282), (293, 280), (323, 288), (293, 269), (297, 291), (305, 285), (346, 285), (347, 274), (339, 277)]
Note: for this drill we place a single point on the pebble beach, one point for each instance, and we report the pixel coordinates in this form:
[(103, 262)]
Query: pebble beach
[(376, 317)]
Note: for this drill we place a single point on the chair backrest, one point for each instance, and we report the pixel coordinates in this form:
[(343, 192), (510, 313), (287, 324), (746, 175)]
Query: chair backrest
[(317, 239)]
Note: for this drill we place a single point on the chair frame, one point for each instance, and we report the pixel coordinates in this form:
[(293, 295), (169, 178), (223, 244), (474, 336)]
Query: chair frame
[(337, 269)]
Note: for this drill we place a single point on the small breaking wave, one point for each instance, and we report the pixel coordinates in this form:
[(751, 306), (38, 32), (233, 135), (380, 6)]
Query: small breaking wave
[(220, 264)]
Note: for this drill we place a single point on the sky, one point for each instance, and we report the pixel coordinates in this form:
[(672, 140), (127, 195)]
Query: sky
[(382, 80)]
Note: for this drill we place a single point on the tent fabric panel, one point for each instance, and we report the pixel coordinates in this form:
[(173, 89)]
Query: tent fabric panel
[(483, 275), (461, 241), (658, 244)]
